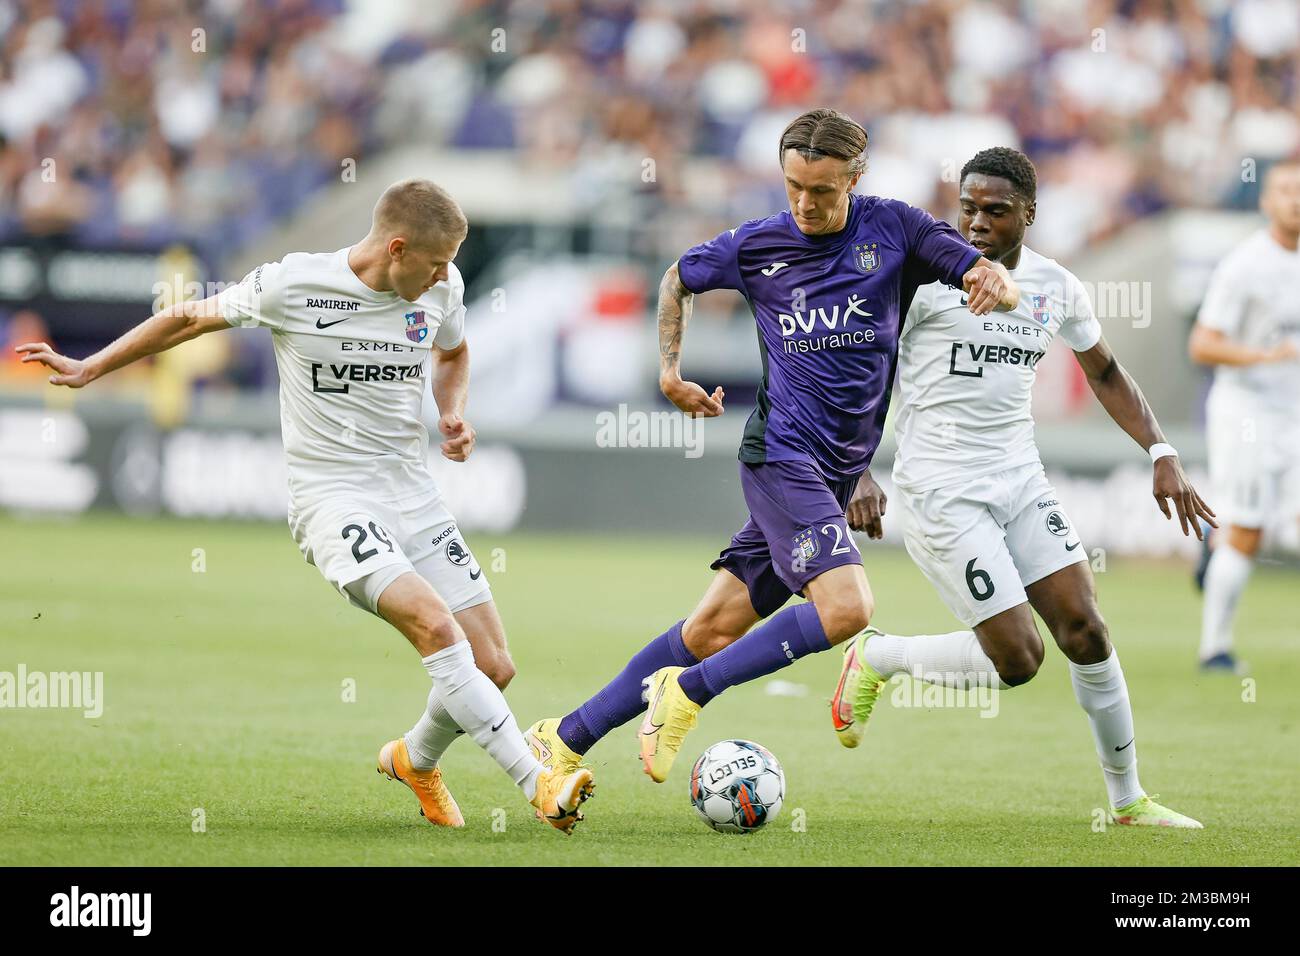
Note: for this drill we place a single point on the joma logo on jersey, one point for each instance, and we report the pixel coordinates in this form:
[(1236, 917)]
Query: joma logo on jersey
[(345, 305), (790, 324), (360, 373), (989, 355)]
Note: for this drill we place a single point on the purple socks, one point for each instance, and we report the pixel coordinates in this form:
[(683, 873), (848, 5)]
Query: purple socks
[(779, 641), (620, 700)]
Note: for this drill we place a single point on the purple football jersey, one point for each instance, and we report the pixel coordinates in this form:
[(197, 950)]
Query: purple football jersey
[(829, 310)]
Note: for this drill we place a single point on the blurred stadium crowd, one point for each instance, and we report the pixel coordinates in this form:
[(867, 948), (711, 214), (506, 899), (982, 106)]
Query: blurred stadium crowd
[(158, 134), (148, 122)]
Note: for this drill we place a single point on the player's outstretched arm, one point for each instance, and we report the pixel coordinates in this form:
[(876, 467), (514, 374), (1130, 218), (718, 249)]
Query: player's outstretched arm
[(1126, 404), (1208, 346), (989, 286), (450, 386), (170, 327), (675, 302)]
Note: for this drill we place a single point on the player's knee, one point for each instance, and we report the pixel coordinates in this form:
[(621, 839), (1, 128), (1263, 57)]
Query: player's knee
[(1245, 540), (711, 644), (433, 629), (500, 669), (1083, 638), (1018, 664), (843, 619), (706, 633)]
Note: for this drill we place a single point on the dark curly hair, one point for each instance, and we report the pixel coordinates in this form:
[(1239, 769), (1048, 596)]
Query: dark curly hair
[(1010, 164)]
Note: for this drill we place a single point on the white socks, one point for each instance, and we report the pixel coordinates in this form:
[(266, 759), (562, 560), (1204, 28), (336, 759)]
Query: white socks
[(477, 705), (1101, 691), (1225, 579), (953, 660), (957, 660), (432, 734)]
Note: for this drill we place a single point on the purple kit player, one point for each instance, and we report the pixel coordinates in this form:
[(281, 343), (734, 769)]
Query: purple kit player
[(827, 280)]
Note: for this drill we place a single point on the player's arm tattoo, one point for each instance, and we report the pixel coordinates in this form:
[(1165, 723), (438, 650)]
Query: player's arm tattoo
[(674, 312)]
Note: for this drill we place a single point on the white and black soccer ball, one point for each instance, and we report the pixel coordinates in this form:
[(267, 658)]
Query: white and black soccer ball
[(737, 786)]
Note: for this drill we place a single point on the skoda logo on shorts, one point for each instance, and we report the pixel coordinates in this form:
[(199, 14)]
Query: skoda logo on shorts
[(457, 554), (1057, 524)]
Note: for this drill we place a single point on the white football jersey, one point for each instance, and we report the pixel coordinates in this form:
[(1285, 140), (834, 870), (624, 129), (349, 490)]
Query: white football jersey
[(1254, 299), (964, 381), (354, 366)]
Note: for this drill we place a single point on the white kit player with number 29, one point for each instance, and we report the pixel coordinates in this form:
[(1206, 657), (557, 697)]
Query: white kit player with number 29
[(354, 366), (359, 336), (979, 517)]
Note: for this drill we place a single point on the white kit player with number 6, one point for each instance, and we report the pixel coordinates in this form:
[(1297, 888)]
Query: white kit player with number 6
[(979, 516), (359, 336)]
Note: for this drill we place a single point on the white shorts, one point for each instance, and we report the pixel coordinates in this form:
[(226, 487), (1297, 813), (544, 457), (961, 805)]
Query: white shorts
[(1254, 459), (362, 546), (980, 542)]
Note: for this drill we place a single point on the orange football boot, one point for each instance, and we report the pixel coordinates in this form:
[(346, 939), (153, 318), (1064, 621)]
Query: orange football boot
[(437, 805)]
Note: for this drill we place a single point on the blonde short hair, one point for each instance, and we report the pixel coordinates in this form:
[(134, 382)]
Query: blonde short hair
[(420, 211)]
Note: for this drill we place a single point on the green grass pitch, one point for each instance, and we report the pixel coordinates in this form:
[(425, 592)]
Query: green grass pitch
[(224, 693)]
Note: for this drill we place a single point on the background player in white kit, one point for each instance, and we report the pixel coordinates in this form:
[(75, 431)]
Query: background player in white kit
[(1249, 330), (979, 516), (354, 332)]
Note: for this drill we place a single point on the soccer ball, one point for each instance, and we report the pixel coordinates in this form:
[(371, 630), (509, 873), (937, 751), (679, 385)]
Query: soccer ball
[(737, 786)]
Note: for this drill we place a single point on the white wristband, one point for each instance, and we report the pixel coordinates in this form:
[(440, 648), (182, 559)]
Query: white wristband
[(1161, 450)]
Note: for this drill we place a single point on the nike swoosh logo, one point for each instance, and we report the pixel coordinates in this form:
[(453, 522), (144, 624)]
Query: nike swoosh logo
[(475, 575), (326, 325), (1125, 747), (649, 726), (841, 722), (1071, 547), (774, 268), (502, 724)]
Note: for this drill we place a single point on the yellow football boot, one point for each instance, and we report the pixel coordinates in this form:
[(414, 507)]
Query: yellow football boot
[(669, 717), (856, 694), (551, 752), (1145, 812)]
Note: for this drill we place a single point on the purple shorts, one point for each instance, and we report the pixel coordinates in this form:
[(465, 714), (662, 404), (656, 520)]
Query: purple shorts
[(796, 531)]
